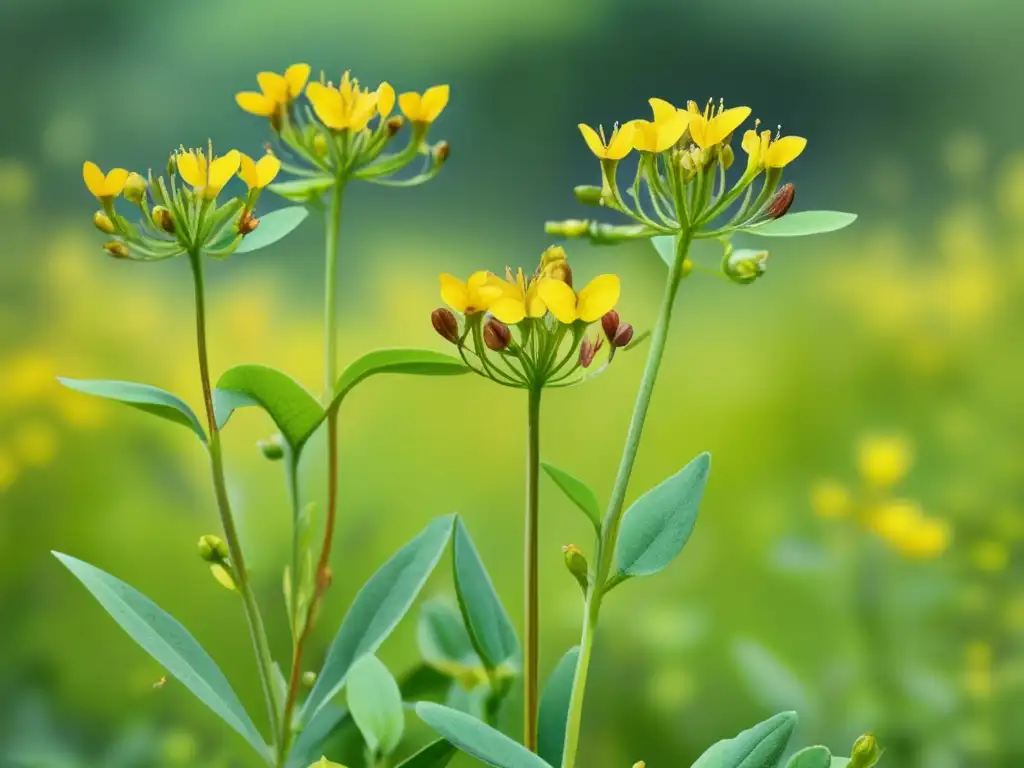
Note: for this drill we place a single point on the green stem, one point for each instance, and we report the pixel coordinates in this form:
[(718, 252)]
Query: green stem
[(610, 526), (531, 685), (295, 583), (331, 292), (264, 660)]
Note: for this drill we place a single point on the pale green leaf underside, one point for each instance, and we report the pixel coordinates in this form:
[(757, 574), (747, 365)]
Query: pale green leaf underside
[(761, 746), (303, 190), (803, 223), (166, 640), (294, 410), (422, 362), (435, 755), (477, 739), (579, 493), (273, 226), (142, 396), (376, 704), (811, 757)]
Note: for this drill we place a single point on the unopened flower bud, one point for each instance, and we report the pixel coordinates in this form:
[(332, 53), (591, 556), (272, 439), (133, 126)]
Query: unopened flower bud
[(394, 124), (445, 324), (441, 151), (687, 267), (247, 222), (308, 678), (212, 549), (272, 448), (576, 562), (567, 228), (623, 336), (172, 164), (866, 752), (588, 194), (588, 349), (727, 157), (745, 265), (163, 219), (134, 188), (320, 144), (640, 764), (781, 202), (497, 336), (103, 223), (117, 249), (610, 323), (554, 265)]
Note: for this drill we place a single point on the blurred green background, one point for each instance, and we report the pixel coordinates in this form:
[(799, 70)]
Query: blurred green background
[(905, 325)]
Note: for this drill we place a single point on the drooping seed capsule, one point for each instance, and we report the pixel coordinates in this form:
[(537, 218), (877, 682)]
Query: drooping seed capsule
[(163, 218), (610, 323), (394, 124), (445, 324), (781, 202), (497, 335), (441, 152), (623, 336), (588, 349)]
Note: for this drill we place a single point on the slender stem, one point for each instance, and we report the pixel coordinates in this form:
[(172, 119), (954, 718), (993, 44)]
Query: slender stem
[(531, 685), (610, 526), (264, 660), (295, 582), (323, 572)]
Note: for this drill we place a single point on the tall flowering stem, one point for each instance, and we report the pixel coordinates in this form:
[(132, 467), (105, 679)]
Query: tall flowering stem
[(531, 675)]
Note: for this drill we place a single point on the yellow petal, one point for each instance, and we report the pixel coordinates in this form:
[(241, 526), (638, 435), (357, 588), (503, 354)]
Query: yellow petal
[(599, 297), (645, 136), (669, 131), (509, 310), (297, 75), (274, 86), (255, 103), (535, 306), (115, 180), (699, 130), (94, 179), (190, 169), (784, 151), (328, 105), (751, 143), (385, 99), (267, 169), (411, 105), (454, 292), (434, 101), (559, 298), (247, 171), (662, 109), (621, 143), (222, 169), (593, 140), (727, 122)]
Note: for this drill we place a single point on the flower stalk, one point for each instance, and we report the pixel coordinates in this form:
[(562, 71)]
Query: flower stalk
[(531, 675)]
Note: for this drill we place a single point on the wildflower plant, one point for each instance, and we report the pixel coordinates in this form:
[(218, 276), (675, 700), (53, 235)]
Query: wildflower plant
[(525, 332)]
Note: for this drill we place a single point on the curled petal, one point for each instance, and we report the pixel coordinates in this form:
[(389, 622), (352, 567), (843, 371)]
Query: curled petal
[(661, 109), (784, 151), (454, 292), (222, 169)]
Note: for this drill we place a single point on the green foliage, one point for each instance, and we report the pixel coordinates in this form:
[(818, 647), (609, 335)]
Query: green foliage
[(579, 493), (142, 396), (477, 739), (761, 746), (166, 640), (657, 526), (376, 705), (773, 683), (803, 223), (420, 362), (665, 245), (554, 708), (273, 227), (444, 641), (811, 757), (303, 190), (377, 609), (435, 755)]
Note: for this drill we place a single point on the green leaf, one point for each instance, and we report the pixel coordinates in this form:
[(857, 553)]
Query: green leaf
[(443, 639), (376, 705), (303, 190), (803, 223), (554, 708), (294, 410), (273, 227), (377, 609), (142, 396), (772, 682), (840, 762), (422, 362), (167, 641), (665, 245), (811, 757), (761, 746), (311, 739), (489, 626), (435, 755), (579, 493), (477, 739), (714, 755), (656, 527)]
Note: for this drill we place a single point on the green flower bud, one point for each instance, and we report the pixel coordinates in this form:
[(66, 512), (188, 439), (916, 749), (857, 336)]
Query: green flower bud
[(728, 156), (567, 228), (866, 752), (745, 265), (134, 188), (272, 448), (103, 223), (588, 194), (212, 549), (309, 678), (576, 562), (323, 762)]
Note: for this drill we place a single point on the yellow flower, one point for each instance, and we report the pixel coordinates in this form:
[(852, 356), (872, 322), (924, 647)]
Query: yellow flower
[(255, 174), (207, 176), (884, 460), (666, 129), (385, 99), (620, 144), (831, 500), (904, 527), (596, 299), (520, 299), (425, 108), (475, 295), (712, 126), (766, 153), (345, 108), (276, 91), (104, 187)]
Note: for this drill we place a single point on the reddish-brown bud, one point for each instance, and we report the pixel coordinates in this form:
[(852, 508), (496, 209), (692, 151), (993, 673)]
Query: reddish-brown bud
[(394, 124), (781, 202), (441, 151), (588, 349), (445, 324), (497, 336), (163, 218), (247, 222), (610, 323), (623, 335)]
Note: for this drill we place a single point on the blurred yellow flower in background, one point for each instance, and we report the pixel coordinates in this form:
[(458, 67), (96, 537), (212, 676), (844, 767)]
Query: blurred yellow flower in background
[(276, 91), (884, 461), (903, 525), (831, 499), (424, 109)]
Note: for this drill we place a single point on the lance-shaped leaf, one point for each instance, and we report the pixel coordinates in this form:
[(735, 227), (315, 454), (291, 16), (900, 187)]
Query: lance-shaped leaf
[(376, 705), (811, 757), (377, 609), (490, 628), (294, 410), (273, 227), (803, 223), (761, 746), (166, 640), (435, 755), (420, 362), (657, 526), (554, 708), (142, 396), (714, 755), (314, 735), (477, 739), (579, 493)]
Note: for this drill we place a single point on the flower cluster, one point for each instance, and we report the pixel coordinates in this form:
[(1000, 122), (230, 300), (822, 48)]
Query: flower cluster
[(684, 156), (180, 214), (546, 312), (342, 130)]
